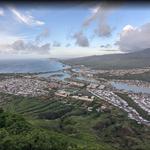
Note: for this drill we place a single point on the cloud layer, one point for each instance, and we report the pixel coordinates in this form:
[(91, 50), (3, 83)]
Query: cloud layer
[(134, 38)]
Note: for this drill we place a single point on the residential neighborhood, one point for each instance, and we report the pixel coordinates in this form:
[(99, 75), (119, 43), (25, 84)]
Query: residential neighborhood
[(84, 87), (24, 86)]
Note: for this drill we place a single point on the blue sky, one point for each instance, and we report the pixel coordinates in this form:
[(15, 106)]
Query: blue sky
[(55, 31)]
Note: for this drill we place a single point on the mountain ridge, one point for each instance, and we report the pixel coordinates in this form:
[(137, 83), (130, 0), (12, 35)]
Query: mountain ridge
[(138, 59)]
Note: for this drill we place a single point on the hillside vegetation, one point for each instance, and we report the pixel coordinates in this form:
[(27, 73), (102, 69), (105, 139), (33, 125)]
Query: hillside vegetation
[(53, 123), (17, 134)]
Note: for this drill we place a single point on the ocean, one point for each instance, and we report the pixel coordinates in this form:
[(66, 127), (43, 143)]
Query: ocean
[(30, 65)]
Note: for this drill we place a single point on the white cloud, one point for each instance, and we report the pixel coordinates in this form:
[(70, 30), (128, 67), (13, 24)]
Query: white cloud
[(134, 38), (128, 28), (100, 13), (6, 38), (27, 19), (68, 45), (19, 44), (42, 35), (81, 40), (1, 12), (56, 44), (105, 46), (22, 47)]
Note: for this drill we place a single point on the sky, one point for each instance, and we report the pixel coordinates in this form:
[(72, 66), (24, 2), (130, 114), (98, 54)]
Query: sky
[(73, 31)]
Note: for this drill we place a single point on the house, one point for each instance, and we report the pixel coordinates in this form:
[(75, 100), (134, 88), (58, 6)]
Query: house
[(76, 84), (85, 98), (92, 85), (89, 108), (62, 93)]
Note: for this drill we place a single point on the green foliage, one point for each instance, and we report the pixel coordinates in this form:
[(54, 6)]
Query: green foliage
[(68, 125), (16, 134), (122, 133), (56, 114)]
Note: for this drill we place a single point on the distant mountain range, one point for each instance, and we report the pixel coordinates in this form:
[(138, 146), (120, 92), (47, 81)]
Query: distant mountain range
[(136, 59)]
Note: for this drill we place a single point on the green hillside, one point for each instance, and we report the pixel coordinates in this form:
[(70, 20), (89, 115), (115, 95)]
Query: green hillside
[(18, 134), (63, 122)]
